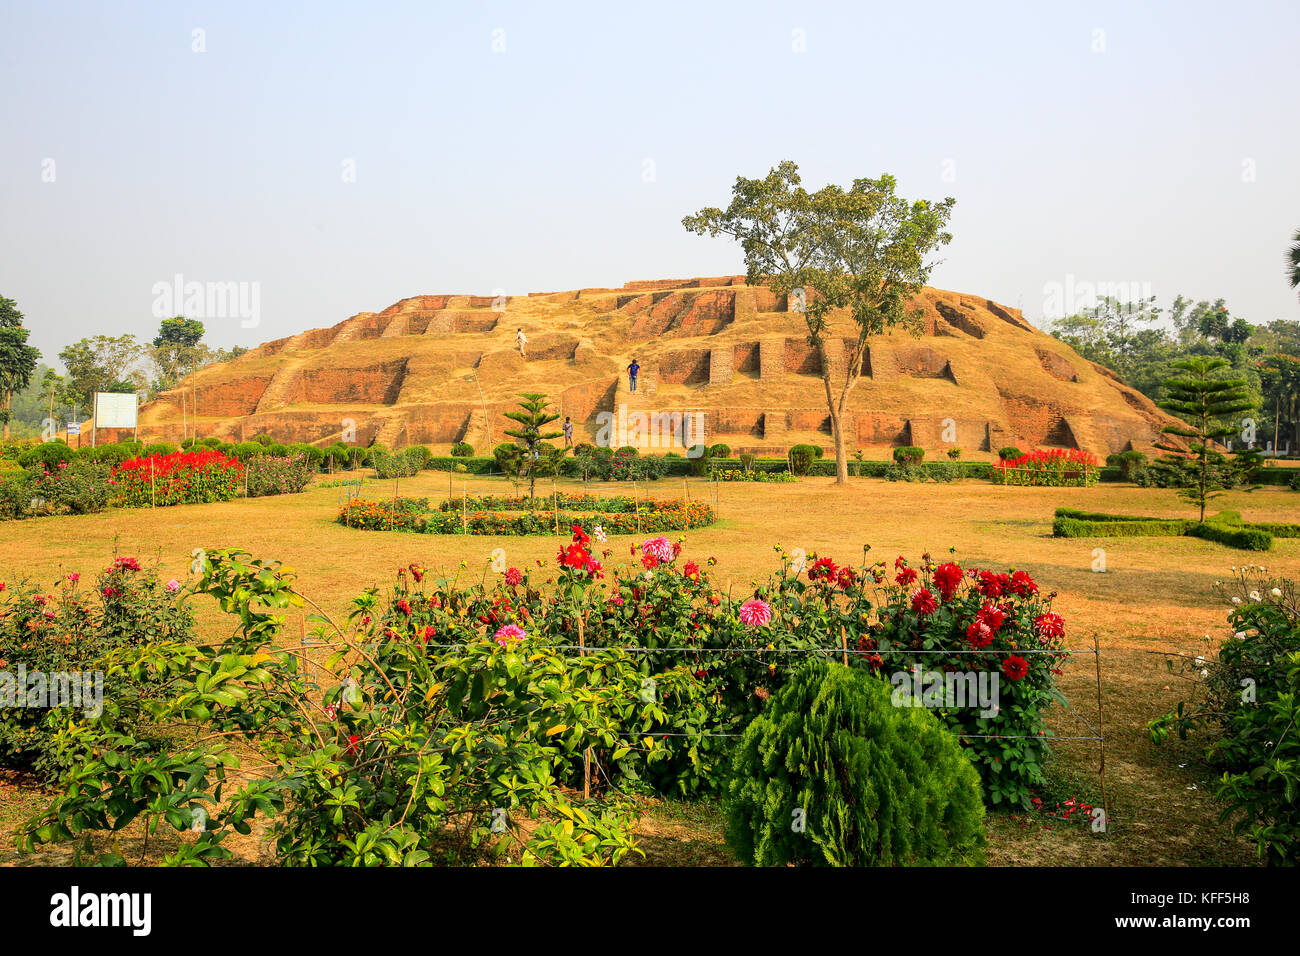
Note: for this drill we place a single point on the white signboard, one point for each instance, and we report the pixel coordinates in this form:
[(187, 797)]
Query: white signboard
[(114, 410), (74, 428)]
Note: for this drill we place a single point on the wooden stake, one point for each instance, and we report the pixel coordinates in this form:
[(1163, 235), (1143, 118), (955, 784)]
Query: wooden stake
[(586, 756), (844, 645), (464, 508), (1101, 744)]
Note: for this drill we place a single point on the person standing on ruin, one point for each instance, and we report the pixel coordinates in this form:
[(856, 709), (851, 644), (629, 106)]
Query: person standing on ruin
[(521, 341), (631, 375), (568, 432)]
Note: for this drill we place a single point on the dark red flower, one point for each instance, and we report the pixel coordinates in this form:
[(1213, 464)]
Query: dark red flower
[(947, 577), (823, 569), (1022, 585), (905, 577), (1015, 667), (923, 602)]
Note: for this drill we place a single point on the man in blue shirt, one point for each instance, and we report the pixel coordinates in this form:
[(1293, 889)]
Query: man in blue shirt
[(631, 375)]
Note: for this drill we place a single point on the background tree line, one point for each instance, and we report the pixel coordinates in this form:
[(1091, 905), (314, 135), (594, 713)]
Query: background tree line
[(1130, 339), (31, 390)]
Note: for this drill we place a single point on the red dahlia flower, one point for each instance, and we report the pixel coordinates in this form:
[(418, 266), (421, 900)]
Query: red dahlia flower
[(947, 577), (823, 569), (1022, 585), (1049, 625), (923, 602), (1015, 667)]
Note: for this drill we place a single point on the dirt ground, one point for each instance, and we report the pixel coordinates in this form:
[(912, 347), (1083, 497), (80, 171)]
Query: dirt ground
[(1155, 595)]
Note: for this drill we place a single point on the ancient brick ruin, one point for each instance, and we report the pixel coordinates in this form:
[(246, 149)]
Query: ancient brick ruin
[(437, 369)]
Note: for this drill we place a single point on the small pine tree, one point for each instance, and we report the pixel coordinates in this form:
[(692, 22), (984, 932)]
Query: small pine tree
[(833, 774), (1205, 402), (532, 418)]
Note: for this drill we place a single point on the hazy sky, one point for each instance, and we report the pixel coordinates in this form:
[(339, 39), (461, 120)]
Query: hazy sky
[(537, 147)]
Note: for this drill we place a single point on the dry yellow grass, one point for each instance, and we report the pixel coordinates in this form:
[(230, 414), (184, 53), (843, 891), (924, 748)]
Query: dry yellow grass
[(1156, 595)]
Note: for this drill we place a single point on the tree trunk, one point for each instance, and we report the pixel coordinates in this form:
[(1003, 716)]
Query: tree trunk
[(841, 455), (9, 400), (836, 413)]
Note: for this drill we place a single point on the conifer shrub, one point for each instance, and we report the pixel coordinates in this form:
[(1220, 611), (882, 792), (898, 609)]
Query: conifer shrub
[(832, 774)]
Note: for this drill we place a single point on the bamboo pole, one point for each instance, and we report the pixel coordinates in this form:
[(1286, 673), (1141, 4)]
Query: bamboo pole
[(464, 508), (1101, 743), (586, 755), (844, 645)]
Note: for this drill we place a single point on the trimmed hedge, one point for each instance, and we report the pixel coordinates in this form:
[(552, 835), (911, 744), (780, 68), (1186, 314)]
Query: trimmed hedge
[(1226, 528), (1245, 538)]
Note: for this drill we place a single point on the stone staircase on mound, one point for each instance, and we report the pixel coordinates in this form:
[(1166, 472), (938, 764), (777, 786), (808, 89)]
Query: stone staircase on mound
[(391, 432)]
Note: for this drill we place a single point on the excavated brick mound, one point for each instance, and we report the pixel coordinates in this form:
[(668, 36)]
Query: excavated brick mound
[(720, 362)]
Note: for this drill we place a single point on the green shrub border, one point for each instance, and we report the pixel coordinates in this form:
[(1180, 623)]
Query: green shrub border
[(1227, 530)]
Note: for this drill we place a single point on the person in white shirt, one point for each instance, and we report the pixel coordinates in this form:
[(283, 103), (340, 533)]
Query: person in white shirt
[(520, 341)]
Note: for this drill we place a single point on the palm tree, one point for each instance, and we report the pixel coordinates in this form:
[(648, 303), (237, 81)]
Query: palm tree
[(1293, 261)]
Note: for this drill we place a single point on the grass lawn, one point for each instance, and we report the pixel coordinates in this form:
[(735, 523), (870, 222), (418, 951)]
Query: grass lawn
[(1156, 595)]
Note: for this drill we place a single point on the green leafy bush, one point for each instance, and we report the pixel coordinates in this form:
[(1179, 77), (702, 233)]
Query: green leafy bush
[(1009, 453), (909, 455), (15, 495), (462, 449), (719, 451), (48, 454), (413, 756), (832, 774), (245, 451), (71, 632), (271, 475), (76, 487), (1248, 708), (401, 465), (801, 458)]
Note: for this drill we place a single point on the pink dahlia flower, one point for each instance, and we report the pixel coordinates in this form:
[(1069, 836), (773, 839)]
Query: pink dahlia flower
[(756, 613), (508, 634), (660, 547)]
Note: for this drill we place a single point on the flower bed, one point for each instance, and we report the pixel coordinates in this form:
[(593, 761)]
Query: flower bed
[(1056, 467), (444, 697), (273, 475), (740, 474), (499, 515), (183, 477)]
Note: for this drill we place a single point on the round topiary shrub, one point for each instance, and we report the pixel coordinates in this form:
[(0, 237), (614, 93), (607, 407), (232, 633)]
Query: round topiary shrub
[(462, 449), (833, 774), (48, 453), (719, 451), (801, 457), (909, 455), (1009, 453), (818, 451)]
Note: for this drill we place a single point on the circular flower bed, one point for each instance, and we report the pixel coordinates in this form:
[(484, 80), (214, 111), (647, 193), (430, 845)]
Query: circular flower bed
[(508, 515)]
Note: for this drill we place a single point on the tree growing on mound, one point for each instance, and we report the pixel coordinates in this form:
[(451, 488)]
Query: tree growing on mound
[(17, 358), (833, 774), (1205, 402), (532, 417), (862, 250)]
